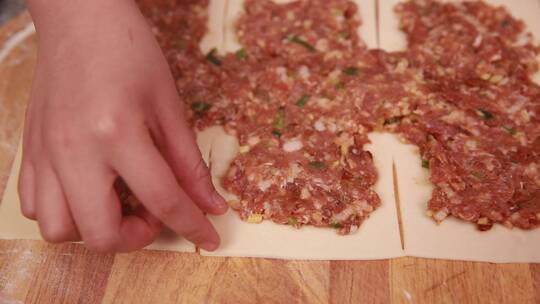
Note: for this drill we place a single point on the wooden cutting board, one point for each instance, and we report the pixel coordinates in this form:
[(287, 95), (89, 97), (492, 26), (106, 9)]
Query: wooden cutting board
[(36, 272)]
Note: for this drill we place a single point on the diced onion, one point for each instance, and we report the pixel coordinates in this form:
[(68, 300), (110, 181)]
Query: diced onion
[(255, 218), (292, 145)]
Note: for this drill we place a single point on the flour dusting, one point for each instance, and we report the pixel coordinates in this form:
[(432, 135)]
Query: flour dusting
[(20, 270), (15, 40)]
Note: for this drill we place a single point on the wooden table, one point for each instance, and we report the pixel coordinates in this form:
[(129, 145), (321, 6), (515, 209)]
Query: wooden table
[(36, 272)]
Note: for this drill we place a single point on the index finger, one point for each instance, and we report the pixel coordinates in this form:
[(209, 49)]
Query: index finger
[(153, 182)]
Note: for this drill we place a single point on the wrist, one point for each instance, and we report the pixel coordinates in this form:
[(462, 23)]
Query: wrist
[(62, 17)]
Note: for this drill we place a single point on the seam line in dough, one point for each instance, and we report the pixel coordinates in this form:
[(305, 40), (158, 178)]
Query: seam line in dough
[(224, 30), (15, 40), (377, 24)]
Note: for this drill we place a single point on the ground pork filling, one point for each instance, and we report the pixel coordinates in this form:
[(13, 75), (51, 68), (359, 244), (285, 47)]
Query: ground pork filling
[(304, 91)]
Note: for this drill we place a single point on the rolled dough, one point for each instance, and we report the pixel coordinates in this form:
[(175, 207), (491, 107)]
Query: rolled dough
[(377, 238), (213, 39), (452, 239), (368, 30)]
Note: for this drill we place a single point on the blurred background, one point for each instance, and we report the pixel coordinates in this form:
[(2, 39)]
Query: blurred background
[(10, 8)]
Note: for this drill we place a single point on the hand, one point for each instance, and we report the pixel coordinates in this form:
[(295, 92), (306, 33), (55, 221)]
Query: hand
[(104, 105)]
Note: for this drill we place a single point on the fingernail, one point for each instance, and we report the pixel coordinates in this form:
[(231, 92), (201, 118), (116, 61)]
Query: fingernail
[(209, 246), (218, 200)]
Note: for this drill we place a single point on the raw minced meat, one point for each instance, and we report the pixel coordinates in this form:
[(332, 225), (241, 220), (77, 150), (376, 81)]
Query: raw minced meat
[(304, 92)]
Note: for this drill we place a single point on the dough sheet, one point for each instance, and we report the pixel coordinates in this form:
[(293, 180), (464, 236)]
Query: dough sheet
[(379, 236)]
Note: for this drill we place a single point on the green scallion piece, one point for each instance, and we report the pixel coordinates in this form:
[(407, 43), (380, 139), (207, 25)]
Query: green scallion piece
[(337, 225), (303, 100), (200, 107), (425, 163), (212, 57), (391, 120), (510, 130), (345, 35), (477, 174), (318, 165), (279, 121), (241, 54), (302, 42), (351, 71), (276, 133), (487, 115)]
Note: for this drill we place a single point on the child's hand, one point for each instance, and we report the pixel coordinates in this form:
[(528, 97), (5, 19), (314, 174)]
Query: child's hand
[(104, 105)]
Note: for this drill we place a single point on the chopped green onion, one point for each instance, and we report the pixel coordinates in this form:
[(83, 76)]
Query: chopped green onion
[(211, 56), (292, 221), (337, 225), (505, 23), (276, 133), (200, 107), (510, 130), (301, 42), (486, 114), (345, 35), (477, 174), (337, 83), (241, 54), (319, 165), (391, 120), (279, 121), (425, 163), (179, 44), (351, 71), (303, 100), (337, 12)]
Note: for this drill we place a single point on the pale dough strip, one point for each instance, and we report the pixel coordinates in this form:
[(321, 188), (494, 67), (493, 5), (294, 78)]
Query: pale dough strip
[(452, 239)]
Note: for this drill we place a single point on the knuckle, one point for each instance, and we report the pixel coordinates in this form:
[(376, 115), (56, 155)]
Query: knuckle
[(195, 234), (102, 243), (55, 132), (107, 128), (164, 207), (201, 172), (148, 234), (61, 139)]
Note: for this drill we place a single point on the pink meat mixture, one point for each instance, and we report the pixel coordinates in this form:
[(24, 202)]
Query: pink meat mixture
[(304, 91)]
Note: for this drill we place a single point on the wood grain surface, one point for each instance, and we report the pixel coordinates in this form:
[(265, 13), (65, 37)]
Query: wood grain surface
[(36, 272)]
